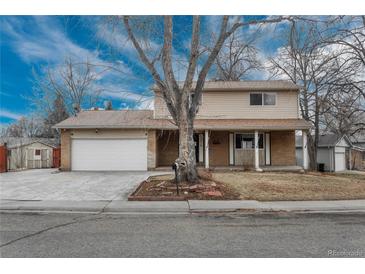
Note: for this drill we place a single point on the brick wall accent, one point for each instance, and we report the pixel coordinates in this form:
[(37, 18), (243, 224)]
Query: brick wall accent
[(219, 148), (167, 147), (283, 148), (65, 150), (151, 149)]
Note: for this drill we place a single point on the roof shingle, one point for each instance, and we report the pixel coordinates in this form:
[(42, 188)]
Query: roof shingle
[(246, 85)]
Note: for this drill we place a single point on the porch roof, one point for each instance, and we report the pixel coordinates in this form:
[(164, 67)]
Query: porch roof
[(143, 119), (242, 124)]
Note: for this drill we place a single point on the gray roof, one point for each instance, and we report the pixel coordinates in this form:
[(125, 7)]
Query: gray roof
[(358, 139), (327, 140), (108, 119), (276, 85), (143, 119), (12, 142)]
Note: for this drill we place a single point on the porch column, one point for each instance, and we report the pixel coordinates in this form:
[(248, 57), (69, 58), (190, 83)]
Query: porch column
[(305, 149), (206, 148), (257, 159)]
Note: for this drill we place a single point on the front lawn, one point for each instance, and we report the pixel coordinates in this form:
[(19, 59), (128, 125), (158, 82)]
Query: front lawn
[(274, 186)]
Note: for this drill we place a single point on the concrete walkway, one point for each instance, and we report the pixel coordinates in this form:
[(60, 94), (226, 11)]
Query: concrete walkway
[(191, 206)]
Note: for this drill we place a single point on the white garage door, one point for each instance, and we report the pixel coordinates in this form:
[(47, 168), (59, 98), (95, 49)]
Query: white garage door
[(111, 154), (340, 161)]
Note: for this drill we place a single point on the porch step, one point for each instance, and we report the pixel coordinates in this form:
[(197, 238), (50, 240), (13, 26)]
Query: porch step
[(240, 168), (282, 168)]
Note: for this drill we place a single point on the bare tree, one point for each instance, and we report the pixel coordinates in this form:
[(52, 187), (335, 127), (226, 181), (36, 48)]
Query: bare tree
[(74, 82), (316, 68), (182, 106), (349, 34), (57, 114), (345, 112), (24, 127), (237, 59)]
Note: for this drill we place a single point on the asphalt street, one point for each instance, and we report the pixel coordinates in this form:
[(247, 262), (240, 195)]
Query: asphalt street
[(143, 235)]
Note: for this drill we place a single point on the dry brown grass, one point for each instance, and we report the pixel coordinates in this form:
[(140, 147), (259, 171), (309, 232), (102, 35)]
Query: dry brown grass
[(273, 186)]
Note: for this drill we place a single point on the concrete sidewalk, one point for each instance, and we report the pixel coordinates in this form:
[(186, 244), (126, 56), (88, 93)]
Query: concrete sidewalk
[(191, 206)]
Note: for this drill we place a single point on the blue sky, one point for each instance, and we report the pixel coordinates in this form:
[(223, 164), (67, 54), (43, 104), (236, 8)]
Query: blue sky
[(30, 43)]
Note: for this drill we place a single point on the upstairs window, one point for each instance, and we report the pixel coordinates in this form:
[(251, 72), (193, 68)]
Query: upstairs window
[(262, 99), (256, 99), (37, 152)]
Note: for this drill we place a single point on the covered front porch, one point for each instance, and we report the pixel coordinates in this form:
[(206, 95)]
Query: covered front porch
[(235, 149)]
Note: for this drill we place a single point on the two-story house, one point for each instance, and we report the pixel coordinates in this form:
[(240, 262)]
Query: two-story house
[(239, 124)]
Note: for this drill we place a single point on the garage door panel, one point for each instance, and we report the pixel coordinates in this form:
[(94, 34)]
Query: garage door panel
[(340, 161), (109, 154)]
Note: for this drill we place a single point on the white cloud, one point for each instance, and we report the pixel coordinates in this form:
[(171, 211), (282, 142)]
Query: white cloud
[(117, 38), (142, 100), (9, 114), (45, 43), (48, 42)]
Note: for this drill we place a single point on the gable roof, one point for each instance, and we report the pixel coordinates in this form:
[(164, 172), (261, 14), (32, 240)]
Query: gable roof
[(143, 119), (262, 85), (327, 140), (13, 142)]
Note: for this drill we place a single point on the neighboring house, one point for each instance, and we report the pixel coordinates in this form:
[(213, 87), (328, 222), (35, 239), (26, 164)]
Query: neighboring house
[(232, 118), (28, 153), (333, 151)]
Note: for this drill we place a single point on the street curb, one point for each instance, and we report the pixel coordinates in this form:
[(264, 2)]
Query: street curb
[(41, 206), (182, 207)]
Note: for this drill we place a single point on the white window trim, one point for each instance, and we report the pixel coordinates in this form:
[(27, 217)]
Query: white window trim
[(262, 103)]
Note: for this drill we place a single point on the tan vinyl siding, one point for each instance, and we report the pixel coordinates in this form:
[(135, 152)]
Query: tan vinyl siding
[(236, 104)]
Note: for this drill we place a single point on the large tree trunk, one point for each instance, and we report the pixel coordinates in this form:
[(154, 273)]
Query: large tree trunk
[(312, 152), (187, 152), (187, 159)]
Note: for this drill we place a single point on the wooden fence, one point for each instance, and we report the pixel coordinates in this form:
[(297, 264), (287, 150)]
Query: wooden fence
[(56, 157), (3, 159)]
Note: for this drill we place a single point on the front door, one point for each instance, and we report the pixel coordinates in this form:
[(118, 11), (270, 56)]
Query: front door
[(199, 147)]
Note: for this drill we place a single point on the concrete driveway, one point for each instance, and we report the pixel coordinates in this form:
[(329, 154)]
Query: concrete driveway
[(50, 184)]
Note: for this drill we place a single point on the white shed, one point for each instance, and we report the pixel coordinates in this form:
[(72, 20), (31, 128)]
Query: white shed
[(333, 152), (27, 153)]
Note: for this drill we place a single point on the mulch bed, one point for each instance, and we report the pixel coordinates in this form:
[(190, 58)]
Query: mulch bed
[(163, 188)]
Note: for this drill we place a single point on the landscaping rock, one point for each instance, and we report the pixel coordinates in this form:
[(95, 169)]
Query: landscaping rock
[(160, 184), (196, 187), (214, 193)]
